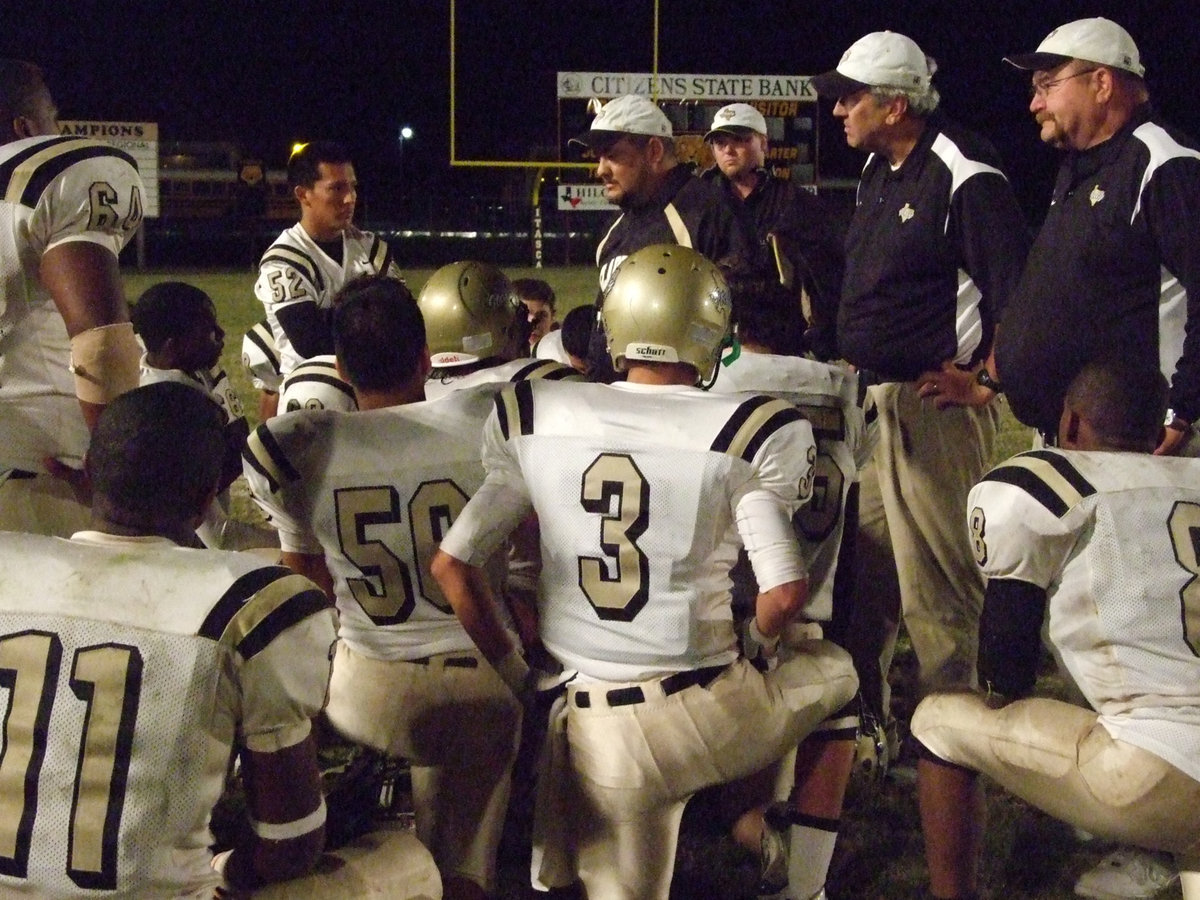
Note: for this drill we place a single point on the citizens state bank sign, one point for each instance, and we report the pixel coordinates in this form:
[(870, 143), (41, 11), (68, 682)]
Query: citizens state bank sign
[(725, 88)]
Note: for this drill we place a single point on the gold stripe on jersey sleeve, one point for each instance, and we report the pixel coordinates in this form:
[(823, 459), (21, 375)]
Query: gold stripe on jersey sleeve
[(279, 604), (263, 338), (752, 423), (1047, 477), (380, 256), (297, 259), (514, 409), (264, 454), (22, 174)]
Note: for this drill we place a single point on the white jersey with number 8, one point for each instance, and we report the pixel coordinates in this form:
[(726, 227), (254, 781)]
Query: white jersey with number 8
[(1114, 538)]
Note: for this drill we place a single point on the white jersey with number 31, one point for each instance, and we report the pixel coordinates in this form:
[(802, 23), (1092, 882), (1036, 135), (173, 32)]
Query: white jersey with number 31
[(129, 670)]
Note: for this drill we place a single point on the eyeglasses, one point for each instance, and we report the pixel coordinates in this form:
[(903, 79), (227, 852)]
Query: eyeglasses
[(1042, 88)]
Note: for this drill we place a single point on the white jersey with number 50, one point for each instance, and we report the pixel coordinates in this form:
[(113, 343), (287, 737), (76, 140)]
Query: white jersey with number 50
[(374, 492), (52, 190), (130, 668), (1114, 538), (640, 493)]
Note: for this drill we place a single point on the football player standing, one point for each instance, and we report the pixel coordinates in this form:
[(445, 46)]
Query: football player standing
[(310, 261), (642, 490), (67, 207)]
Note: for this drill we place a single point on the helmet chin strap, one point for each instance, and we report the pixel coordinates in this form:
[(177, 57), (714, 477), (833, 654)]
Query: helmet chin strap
[(735, 350)]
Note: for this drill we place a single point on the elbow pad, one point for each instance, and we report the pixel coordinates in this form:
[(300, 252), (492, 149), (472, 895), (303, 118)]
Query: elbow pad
[(105, 362)]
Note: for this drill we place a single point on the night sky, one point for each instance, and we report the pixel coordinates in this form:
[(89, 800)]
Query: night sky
[(265, 73)]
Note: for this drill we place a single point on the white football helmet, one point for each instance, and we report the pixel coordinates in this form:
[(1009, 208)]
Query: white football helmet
[(667, 303), (469, 310)]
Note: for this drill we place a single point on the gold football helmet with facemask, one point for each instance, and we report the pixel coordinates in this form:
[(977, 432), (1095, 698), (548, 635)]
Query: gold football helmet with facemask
[(667, 303), (469, 310)]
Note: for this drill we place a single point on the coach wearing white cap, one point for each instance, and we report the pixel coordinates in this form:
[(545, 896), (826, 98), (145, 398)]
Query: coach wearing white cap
[(660, 201), (1116, 264), (934, 248), (799, 223)]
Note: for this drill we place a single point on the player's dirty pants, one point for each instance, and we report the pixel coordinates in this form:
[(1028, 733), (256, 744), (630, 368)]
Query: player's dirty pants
[(1059, 758), (913, 550), (633, 765), (458, 725)]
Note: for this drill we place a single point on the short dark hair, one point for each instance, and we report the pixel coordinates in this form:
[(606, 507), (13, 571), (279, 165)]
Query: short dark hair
[(156, 453), (767, 313), (577, 327), (1125, 402), (20, 84), (378, 332), (303, 165), (167, 310), (534, 289)]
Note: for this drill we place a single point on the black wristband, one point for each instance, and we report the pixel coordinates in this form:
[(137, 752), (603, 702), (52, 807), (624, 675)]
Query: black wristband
[(984, 377)]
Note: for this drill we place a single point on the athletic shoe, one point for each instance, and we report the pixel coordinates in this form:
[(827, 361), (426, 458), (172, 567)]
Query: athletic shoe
[(1127, 874), (773, 848)]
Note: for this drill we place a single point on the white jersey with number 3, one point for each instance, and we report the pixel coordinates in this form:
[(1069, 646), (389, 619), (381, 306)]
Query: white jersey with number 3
[(1114, 538), (638, 491), (129, 670)]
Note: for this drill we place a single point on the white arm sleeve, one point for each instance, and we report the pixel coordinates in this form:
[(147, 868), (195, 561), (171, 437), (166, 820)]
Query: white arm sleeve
[(782, 481), (498, 507), (765, 524), (493, 513)]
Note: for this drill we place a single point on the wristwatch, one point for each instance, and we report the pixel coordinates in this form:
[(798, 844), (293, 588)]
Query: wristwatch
[(984, 377), (1175, 423)]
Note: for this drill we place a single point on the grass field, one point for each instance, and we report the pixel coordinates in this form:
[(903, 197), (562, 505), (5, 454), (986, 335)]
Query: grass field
[(880, 849)]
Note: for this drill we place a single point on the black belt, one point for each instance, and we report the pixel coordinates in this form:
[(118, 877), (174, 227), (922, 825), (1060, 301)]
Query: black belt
[(672, 684), (18, 474), (450, 662)]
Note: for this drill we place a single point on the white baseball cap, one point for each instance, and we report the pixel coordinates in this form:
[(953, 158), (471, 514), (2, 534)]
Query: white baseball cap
[(1094, 40), (878, 59), (737, 119), (628, 114)]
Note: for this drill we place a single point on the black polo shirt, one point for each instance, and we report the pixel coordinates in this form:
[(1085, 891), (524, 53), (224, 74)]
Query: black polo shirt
[(1115, 268), (933, 252)]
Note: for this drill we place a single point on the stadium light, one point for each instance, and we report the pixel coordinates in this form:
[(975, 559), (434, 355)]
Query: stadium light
[(406, 134)]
